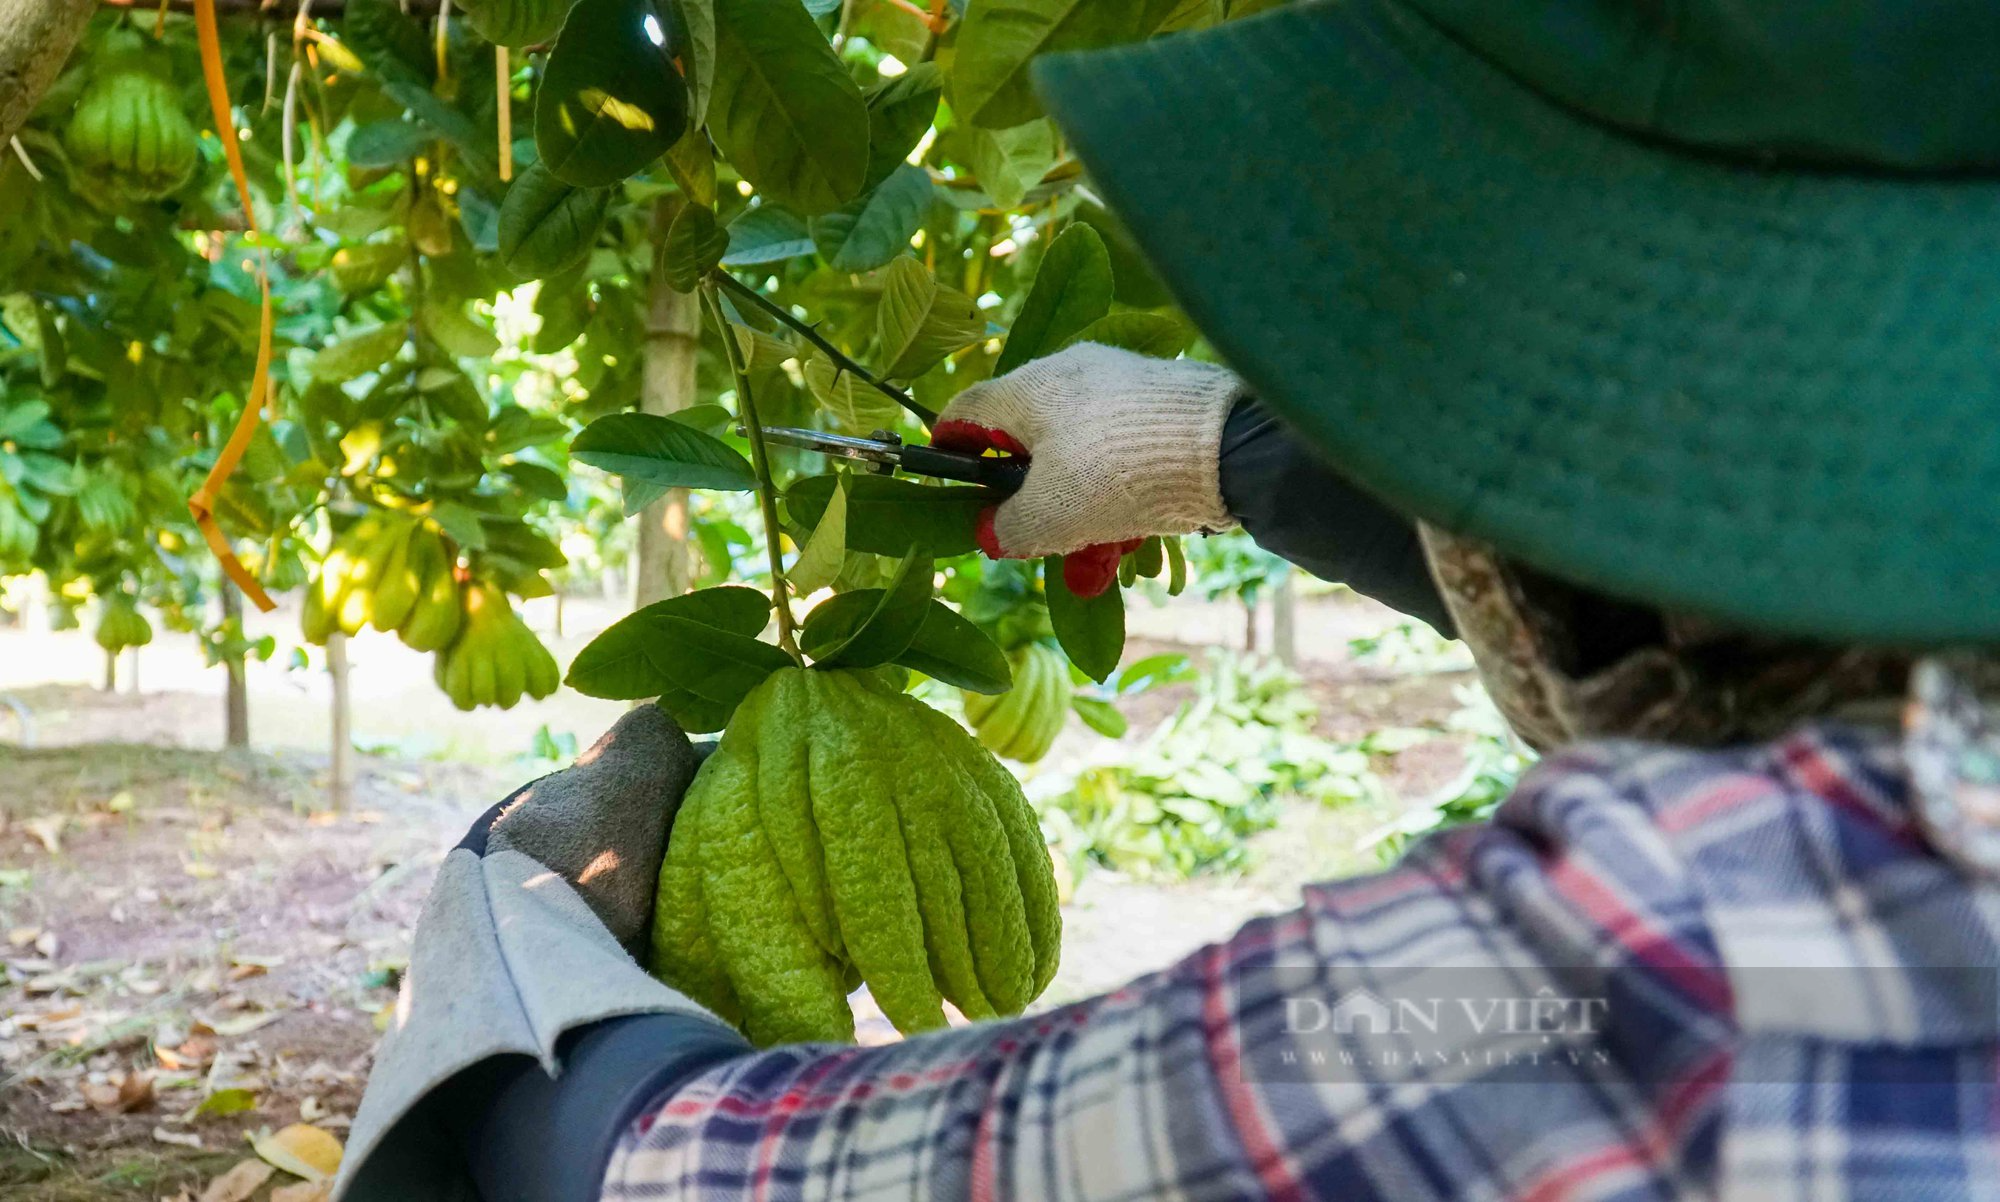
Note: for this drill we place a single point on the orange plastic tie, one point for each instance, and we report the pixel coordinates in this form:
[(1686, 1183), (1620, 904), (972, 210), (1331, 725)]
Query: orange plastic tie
[(202, 503)]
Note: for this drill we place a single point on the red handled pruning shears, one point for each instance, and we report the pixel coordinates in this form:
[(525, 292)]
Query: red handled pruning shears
[(885, 453)]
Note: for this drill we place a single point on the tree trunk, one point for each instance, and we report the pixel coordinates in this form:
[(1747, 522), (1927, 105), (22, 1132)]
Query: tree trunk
[(340, 780), (36, 37), (236, 692), (559, 614), (662, 562), (111, 671), (1284, 621), (1250, 623)]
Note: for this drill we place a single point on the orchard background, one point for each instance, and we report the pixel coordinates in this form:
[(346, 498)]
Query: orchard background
[(536, 274)]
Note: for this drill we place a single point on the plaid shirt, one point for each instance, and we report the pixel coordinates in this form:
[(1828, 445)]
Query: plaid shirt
[(1785, 991)]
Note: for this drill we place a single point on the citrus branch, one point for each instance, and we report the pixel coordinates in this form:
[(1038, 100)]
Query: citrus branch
[(760, 462), (738, 288)]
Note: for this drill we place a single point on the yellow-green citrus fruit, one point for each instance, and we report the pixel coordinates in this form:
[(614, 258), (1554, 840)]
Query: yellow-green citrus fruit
[(496, 659), (121, 625), (1023, 722), (129, 127), (842, 833)]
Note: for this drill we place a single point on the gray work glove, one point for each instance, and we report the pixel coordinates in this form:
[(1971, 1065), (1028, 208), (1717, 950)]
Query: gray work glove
[(520, 941), (602, 823)]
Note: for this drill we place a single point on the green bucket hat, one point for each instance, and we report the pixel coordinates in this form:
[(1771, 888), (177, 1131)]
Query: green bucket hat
[(1697, 303)]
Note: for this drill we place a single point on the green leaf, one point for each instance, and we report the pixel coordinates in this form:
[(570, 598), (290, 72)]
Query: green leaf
[(1090, 629), (999, 38), (389, 41), (697, 22), (661, 452), (1154, 334), (358, 352), (825, 552), (691, 161), (785, 112), (1176, 566), (461, 524), (709, 419), (1100, 716), (457, 333), (534, 480), (516, 23), (900, 112), (1072, 289), (920, 321), (546, 225), (887, 516), (1008, 162), (868, 627), (473, 141), (855, 407), (387, 143), (610, 100), (697, 652), (951, 649), (225, 1102), (693, 247), (766, 234), (876, 226)]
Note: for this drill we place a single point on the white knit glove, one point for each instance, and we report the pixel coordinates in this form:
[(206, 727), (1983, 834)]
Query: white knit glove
[(1123, 447)]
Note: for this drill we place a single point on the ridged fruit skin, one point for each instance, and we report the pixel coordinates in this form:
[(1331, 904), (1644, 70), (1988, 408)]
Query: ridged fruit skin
[(121, 625), (496, 659), (843, 832), (129, 128), (391, 571), (1023, 722)]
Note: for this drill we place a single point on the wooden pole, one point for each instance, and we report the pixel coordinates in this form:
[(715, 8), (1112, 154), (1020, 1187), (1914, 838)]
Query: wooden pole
[(1284, 621), (663, 562), (236, 692), (340, 780)]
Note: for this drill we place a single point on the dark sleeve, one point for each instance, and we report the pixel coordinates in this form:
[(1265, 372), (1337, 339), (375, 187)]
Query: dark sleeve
[(1296, 506), (529, 1137)]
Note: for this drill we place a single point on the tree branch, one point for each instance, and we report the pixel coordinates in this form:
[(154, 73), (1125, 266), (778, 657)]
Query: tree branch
[(36, 37), (286, 9), (738, 288)]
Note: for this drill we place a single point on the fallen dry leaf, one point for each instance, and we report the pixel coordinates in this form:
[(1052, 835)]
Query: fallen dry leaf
[(23, 936), (48, 830), (301, 1149), (122, 1094), (179, 1139), (242, 1024), (238, 1183), (302, 1191)]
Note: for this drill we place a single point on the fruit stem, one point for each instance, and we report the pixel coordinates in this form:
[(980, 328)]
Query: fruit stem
[(738, 288), (760, 462)]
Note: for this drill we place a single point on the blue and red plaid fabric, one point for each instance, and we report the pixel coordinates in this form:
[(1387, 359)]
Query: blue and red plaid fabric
[(1788, 992)]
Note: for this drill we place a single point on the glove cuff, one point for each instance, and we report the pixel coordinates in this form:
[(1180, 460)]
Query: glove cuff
[(1167, 445)]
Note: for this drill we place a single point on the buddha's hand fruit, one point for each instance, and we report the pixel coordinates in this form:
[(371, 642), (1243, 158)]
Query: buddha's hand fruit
[(391, 571), (496, 658), (1024, 721), (121, 625), (841, 833), (130, 129)]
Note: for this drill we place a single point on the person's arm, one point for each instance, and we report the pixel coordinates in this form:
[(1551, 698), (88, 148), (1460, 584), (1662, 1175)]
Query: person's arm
[(1123, 446), (1297, 507), (526, 1036)]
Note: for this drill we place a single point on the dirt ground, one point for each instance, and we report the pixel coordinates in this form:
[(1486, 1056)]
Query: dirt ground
[(179, 923)]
